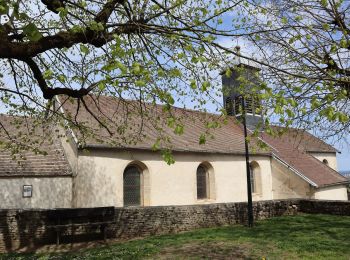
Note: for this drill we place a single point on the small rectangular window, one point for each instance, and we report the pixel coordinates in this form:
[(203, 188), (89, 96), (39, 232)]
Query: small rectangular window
[(27, 191)]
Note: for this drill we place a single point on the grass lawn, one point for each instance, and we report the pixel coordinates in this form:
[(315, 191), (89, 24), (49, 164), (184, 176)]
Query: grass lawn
[(291, 237)]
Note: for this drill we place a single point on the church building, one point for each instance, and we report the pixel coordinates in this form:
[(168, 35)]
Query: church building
[(122, 169)]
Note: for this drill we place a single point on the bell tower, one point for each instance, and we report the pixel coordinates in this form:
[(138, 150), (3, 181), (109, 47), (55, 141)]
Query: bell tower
[(243, 80)]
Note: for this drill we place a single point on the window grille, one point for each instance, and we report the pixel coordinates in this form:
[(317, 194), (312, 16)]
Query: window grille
[(249, 105), (132, 186), (252, 179), (238, 106), (202, 183), (252, 105), (257, 106), (229, 106)]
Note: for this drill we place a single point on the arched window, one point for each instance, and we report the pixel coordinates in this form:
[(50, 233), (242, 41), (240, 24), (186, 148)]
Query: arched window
[(202, 182), (252, 178), (325, 161), (132, 186), (255, 177)]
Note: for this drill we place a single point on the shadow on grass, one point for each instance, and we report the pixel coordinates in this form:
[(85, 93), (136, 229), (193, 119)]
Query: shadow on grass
[(301, 236)]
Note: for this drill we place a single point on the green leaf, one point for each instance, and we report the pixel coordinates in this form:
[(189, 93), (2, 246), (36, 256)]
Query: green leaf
[(62, 12), (4, 8), (202, 139), (171, 121), (83, 4), (326, 26), (205, 86), (343, 118), (61, 78), (136, 68), (161, 73), (84, 49), (101, 86), (96, 26), (140, 83), (32, 32), (168, 157), (343, 43), (193, 84), (156, 145), (175, 73), (48, 74), (122, 67), (334, 48), (284, 20), (179, 129)]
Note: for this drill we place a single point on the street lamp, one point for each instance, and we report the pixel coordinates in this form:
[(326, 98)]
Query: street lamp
[(249, 186)]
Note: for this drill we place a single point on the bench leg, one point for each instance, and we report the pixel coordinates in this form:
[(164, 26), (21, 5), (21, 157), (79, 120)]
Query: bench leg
[(103, 229), (57, 237)]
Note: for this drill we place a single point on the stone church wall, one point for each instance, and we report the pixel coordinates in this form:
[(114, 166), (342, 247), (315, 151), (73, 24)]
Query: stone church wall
[(26, 229)]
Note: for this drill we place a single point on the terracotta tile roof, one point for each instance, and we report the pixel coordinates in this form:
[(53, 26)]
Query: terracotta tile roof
[(294, 154), (137, 123), (136, 126), (22, 132), (308, 142)]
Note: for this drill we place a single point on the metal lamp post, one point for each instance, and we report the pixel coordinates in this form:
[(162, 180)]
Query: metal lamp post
[(249, 187)]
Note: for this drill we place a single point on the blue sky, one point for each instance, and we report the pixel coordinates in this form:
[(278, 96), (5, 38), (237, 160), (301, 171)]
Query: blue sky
[(343, 144), (344, 156)]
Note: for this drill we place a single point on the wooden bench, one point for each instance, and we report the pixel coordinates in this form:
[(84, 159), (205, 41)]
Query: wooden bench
[(62, 219)]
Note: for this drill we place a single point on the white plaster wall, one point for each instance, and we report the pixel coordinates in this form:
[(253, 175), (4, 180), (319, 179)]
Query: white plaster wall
[(264, 181), (286, 184), (48, 192), (332, 193), (69, 148), (330, 157), (99, 181)]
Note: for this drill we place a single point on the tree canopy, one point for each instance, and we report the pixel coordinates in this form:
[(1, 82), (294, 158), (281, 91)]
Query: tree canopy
[(171, 52)]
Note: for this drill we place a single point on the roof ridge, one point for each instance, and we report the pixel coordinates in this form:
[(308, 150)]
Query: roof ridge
[(306, 136), (161, 105)]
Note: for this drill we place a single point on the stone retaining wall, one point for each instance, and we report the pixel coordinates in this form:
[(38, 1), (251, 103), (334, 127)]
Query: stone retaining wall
[(28, 228), (325, 207)]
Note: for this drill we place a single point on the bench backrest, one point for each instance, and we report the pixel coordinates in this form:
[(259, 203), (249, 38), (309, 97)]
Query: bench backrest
[(81, 215)]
